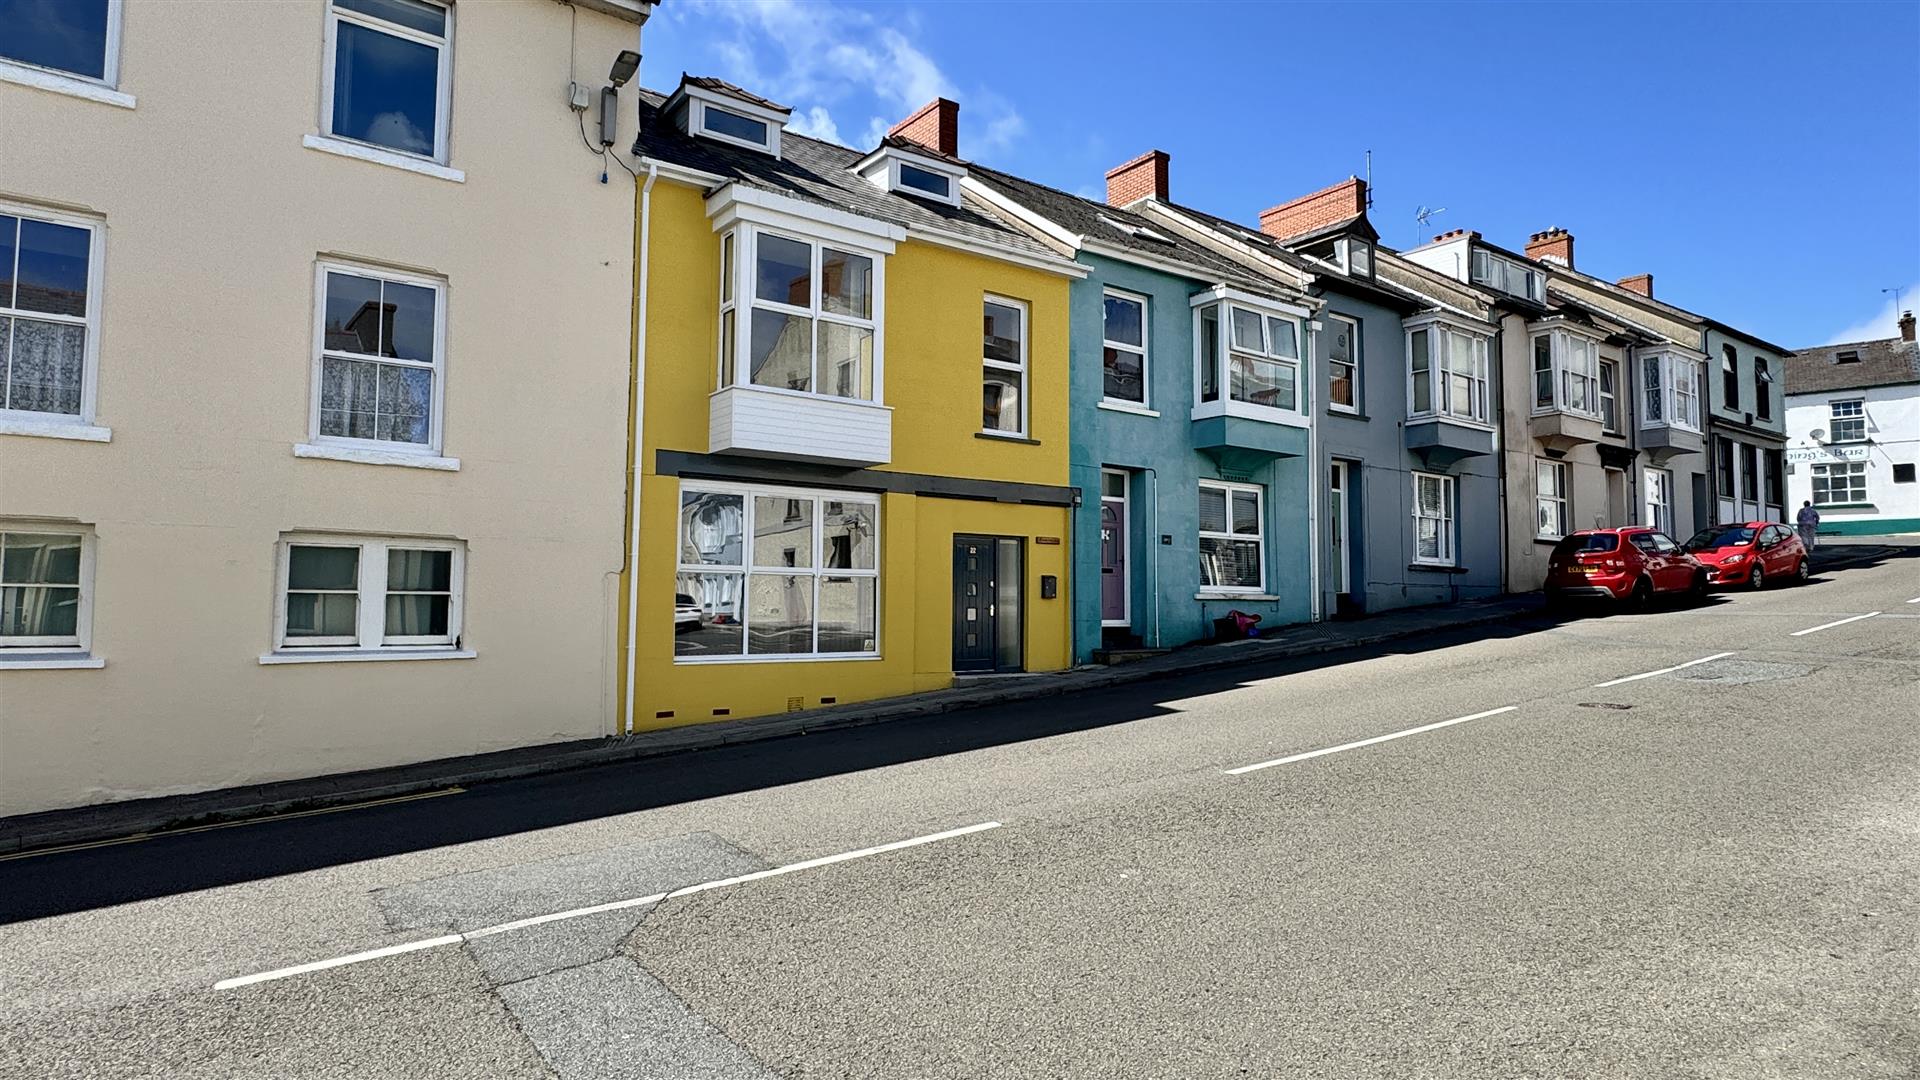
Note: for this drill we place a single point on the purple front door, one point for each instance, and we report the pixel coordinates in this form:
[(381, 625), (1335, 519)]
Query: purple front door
[(1113, 561)]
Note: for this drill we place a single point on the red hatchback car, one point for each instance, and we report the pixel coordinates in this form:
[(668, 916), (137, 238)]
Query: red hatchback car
[(1751, 553), (1630, 565)]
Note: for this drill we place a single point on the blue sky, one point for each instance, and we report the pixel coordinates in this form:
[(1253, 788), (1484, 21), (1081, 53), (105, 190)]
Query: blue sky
[(1762, 161)]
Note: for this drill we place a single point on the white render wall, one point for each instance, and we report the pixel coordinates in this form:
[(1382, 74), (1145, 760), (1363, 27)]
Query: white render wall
[(215, 213), (1893, 428)]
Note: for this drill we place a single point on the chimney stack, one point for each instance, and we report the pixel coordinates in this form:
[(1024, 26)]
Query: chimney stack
[(1143, 177), (1554, 246), (935, 125), (1906, 326), (1344, 200), (1452, 234), (1640, 283)]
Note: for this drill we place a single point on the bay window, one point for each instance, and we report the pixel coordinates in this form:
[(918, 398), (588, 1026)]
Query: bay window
[(1232, 539), (1251, 354), (1447, 373), (1433, 519), (1566, 373), (1672, 391), (799, 315), (776, 573)]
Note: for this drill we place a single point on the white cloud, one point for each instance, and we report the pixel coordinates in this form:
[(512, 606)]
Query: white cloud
[(822, 58), (1884, 323)]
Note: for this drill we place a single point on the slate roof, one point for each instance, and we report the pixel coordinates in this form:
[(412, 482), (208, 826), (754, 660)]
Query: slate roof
[(816, 171), (722, 86), (1115, 227), (1886, 362), (1429, 286)]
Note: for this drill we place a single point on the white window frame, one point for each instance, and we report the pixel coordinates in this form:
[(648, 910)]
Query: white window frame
[(57, 647), (1508, 276), (369, 638), (1672, 390), (1353, 361), (745, 569), (378, 451), (1229, 488), (104, 89), (1559, 500), (1658, 484), (1572, 359), (739, 298), (1609, 397), (1854, 417), (1444, 341), (1851, 471), (699, 99), (1448, 556), (1145, 349), (62, 425), (1020, 369), (883, 168), (1224, 300), (443, 85)]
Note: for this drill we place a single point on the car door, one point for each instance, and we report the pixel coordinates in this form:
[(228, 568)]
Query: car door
[(1650, 559), (1675, 572)]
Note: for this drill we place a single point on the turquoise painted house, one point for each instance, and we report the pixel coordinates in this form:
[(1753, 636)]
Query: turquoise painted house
[(1191, 422)]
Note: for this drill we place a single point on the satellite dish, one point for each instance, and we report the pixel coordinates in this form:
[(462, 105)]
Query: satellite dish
[(1818, 435)]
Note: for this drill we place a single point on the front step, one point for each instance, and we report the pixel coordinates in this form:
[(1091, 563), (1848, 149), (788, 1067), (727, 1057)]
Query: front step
[(1124, 656)]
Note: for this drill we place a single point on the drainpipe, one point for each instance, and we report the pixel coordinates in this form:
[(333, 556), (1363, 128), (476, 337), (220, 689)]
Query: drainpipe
[(1152, 544), (634, 447), (1497, 378), (1317, 472)]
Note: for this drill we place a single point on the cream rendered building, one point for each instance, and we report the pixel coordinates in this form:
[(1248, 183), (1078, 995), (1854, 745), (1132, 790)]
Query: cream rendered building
[(315, 334)]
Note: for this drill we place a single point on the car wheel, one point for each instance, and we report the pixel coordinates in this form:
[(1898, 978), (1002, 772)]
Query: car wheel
[(1756, 578), (1642, 596), (1697, 592), (1802, 573)]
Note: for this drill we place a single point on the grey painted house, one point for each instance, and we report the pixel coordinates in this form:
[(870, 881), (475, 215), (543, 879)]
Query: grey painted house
[(1747, 435), (1412, 511)]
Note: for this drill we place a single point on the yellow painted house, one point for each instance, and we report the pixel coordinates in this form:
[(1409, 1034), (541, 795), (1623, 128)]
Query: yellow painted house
[(851, 463)]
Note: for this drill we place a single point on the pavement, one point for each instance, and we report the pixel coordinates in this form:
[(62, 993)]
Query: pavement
[(1675, 844)]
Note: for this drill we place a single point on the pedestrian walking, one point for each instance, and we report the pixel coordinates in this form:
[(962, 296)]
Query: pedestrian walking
[(1809, 521)]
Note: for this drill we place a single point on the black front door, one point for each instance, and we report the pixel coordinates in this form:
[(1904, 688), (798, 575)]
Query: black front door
[(986, 603)]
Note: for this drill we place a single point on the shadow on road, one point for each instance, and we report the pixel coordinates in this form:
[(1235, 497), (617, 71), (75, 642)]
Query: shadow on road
[(57, 883)]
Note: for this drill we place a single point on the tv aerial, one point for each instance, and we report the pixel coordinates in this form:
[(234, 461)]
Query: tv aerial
[(1424, 216)]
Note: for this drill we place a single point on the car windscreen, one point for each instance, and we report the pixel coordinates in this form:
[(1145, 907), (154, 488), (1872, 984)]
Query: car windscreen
[(1590, 542), (1724, 536)]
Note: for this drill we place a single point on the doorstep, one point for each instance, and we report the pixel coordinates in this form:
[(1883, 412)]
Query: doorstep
[(115, 820)]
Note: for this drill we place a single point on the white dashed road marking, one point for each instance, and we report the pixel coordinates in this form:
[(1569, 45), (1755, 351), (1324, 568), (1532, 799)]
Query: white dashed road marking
[(638, 901), (1831, 625), (1662, 671), (1369, 742)]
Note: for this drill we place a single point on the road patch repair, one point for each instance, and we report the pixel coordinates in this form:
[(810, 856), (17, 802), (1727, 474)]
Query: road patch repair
[(1732, 672)]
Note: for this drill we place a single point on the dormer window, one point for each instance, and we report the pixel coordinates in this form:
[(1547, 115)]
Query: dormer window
[(711, 109), (900, 170), (1849, 357), (1509, 276), (1355, 256)]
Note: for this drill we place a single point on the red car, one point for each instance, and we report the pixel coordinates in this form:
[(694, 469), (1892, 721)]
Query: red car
[(1751, 553), (1629, 565)]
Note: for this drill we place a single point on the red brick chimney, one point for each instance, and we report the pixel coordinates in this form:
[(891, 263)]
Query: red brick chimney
[(1906, 326), (935, 125), (1143, 177), (1309, 212), (1640, 283), (1554, 246)]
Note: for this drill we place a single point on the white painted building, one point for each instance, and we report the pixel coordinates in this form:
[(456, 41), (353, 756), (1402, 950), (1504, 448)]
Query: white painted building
[(1853, 434)]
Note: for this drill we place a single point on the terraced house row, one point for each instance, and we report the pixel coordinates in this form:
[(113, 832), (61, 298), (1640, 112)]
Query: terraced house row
[(454, 396)]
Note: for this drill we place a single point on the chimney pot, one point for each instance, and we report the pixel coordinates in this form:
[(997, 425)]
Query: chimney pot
[(1554, 245), (1906, 326), (935, 125), (1143, 177)]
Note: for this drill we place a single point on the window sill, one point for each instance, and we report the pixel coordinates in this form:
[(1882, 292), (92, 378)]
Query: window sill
[(1549, 540), (365, 456), (56, 429), (50, 661), (1837, 506), (374, 154), (1126, 407), (1008, 437), (361, 656), (1253, 596), (54, 82), (798, 658), (1350, 414), (1436, 568)]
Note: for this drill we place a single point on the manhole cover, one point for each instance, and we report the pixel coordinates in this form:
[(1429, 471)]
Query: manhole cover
[(1603, 705), (1740, 671)]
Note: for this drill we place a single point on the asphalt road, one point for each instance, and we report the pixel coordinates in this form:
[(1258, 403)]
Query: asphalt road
[(1708, 872)]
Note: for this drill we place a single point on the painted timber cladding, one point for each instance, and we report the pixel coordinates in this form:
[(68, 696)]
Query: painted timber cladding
[(932, 364), (1380, 469)]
